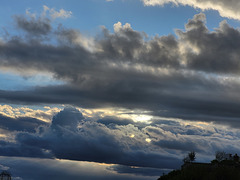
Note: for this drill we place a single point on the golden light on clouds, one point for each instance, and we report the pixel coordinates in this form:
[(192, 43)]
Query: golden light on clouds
[(132, 136), (135, 115), (148, 140), (45, 114)]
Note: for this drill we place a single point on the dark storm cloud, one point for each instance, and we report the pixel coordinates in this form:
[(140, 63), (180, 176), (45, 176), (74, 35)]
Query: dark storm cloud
[(191, 77), (20, 124)]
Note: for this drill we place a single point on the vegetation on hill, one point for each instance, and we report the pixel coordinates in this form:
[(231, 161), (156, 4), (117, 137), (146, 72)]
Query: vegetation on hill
[(222, 168)]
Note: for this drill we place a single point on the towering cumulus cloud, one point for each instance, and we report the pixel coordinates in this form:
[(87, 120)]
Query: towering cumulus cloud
[(70, 136), (225, 8)]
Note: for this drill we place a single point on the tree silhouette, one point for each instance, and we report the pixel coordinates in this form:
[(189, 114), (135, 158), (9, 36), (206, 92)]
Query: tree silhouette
[(220, 155), (186, 159), (236, 158), (192, 156), (5, 176)]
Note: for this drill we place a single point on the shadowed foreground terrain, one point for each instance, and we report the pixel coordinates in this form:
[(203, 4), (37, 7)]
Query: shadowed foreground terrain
[(225, 170)]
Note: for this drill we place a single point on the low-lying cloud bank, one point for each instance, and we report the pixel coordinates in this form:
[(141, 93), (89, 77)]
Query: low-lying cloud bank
[(158, 145)]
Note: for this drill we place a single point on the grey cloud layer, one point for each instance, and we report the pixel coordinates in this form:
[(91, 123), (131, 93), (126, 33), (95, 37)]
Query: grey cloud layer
[(38, 169), (191, 77), (20, 124), (34, 26), (124, 50)]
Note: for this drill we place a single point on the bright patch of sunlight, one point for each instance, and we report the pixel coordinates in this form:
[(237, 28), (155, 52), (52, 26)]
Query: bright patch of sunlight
[(148, 140), (132, 136)]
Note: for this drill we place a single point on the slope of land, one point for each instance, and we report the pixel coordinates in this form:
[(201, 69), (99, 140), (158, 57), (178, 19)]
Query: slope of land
[(225, 170)]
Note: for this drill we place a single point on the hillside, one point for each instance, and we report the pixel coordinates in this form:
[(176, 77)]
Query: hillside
[(225, 170)]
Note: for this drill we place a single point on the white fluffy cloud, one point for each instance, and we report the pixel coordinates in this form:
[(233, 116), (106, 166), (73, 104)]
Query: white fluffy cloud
[(229, 9), (118, 27), (63, 14)]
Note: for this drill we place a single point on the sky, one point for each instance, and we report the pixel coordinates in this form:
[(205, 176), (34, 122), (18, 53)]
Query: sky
[(116, 89)]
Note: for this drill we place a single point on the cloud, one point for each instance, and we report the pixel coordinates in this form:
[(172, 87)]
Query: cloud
[(63, 14), (115, 121), (74, 138), (119, 27), (225, 8), (17, 150), (68, 118), (44, 114), (33, 25), (217, 51), (71, 136), (179, 80), (138, 170), (38, 169), (20, 124), (40, 25), (174, 77)]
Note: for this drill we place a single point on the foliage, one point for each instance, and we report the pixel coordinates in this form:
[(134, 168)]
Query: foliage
[(214, 161), (192, 156), (221, 168), (186, 160), (220, 156), (197, 171), (236, 158)]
